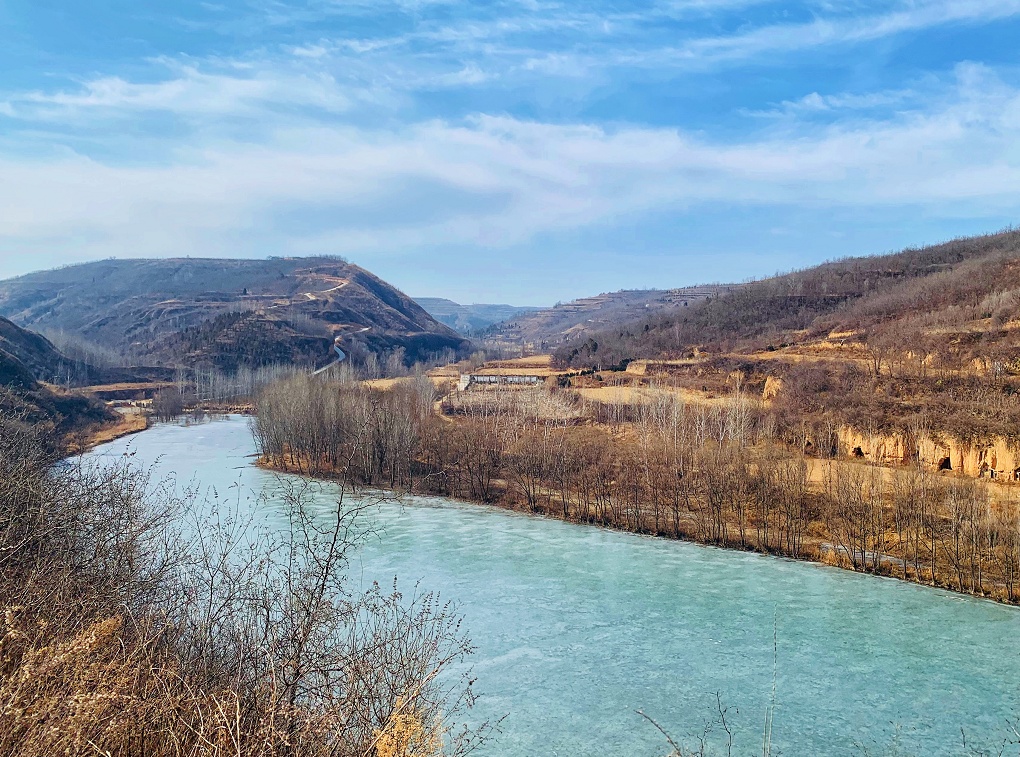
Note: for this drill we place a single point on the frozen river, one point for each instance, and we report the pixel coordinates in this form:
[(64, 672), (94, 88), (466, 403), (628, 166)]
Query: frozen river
[(578, 627)]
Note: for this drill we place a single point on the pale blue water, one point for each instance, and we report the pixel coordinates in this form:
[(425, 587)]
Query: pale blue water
[(578, 627)]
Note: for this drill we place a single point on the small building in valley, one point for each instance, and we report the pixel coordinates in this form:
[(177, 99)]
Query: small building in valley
[(498, 379)]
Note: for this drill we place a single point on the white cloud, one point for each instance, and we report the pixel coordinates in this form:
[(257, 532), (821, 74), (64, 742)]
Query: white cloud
[(571, 41), (838, 104), (311, 51), (531, 42), (838, 30), (494, 181), (237, 90)]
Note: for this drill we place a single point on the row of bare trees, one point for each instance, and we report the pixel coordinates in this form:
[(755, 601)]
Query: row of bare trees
[(715, 475), (921, 526)]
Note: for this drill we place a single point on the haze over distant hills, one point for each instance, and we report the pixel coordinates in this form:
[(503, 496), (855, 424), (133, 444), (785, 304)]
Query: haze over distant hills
[(467, 319), (548, 328), (225, 312)]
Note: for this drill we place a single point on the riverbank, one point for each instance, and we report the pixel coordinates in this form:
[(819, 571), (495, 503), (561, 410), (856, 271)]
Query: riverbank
[(814, 548), (577, 627), (127, 423), (717, 474)]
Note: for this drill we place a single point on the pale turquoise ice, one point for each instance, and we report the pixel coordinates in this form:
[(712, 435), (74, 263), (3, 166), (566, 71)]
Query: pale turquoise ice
[(578, 627)]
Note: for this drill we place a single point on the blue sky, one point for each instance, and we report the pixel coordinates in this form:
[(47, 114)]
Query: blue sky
[(516, 151)]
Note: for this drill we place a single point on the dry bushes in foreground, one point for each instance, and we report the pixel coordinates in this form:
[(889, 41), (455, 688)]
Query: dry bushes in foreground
[(124, 634)]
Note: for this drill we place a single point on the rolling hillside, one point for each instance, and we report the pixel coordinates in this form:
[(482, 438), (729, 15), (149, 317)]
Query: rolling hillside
[(966, 291), (547, 329), (876, 355), (30, 352), (26, 359), (225, 313)]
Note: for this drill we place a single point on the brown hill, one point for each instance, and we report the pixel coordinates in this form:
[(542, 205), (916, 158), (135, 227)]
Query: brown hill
[(225, 312), (919, 349), (548, 328), (948, 288), (27, 354), (24, 359)]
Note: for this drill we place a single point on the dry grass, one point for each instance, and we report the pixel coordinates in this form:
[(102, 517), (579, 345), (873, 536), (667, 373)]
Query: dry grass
[(128, 387), (108, 691), (533, 361), (445, 372), (647, 367), (127, 423), (646, 395), (119, 636), (536, 365), (529, 402), (385, 384), (388, 384)]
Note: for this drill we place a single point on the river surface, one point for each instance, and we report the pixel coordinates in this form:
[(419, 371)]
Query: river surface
[(577, 627)]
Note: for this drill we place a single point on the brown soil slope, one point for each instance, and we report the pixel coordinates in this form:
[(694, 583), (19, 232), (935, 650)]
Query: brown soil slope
[(937, 293), (225, 312), (548, 328), (24, 358)]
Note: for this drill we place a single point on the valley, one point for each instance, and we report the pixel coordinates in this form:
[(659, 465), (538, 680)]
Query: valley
[(861, 415), (510, 379), (469, 320)]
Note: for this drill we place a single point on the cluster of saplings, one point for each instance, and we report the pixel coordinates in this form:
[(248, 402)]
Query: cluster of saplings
[(211, 388), (124, 632), (718, 475)]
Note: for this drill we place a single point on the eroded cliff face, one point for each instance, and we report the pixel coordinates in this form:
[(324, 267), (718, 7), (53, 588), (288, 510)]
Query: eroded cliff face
[(997, 459), (773, 385)]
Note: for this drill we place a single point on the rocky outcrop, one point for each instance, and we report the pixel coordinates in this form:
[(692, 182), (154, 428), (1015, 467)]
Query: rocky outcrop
[(773, 385), (997, 459)]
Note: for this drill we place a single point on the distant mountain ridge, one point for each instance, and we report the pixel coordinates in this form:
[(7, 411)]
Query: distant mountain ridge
[(468, 319), (548, 328), (224, 313)]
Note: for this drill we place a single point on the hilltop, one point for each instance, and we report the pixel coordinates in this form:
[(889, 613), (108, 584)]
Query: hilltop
[(225, 313)]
